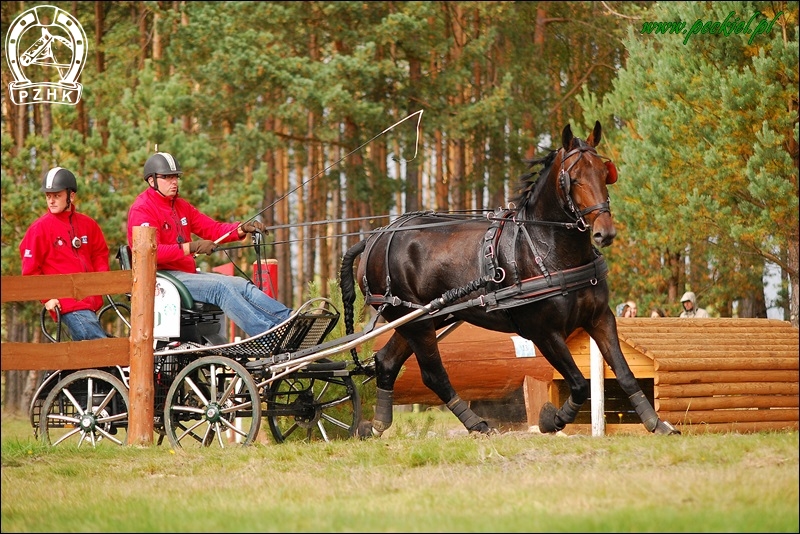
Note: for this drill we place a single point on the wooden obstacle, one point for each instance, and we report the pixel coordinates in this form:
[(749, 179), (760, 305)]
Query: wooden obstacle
[(707, 375), (720, 375)]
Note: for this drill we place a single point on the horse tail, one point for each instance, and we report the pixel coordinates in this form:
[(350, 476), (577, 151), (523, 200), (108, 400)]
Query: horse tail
[(347, 283)]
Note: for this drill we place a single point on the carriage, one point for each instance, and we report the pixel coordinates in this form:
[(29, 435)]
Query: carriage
[(533, 269), (207, 391)]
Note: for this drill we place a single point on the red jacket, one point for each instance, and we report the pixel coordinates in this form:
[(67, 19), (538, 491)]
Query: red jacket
[(47, 249), (175, 220)]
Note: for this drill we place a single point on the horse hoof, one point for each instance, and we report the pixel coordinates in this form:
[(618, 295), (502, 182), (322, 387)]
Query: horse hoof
[(483, 428), (364, 430), (663, 427), (547, 419)]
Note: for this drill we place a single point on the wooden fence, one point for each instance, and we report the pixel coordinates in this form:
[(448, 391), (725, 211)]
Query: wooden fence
[(135, 351)]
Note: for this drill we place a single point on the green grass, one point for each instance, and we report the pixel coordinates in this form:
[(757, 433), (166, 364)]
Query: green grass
[(424, 475)]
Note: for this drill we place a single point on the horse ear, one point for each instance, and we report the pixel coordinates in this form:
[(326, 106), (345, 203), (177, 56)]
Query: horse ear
[(566, 137), (596, 135)]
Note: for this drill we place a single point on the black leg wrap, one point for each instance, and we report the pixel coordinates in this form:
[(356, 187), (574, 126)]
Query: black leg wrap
[(383, 411), (462, 410), (645, 410), (567, 413)]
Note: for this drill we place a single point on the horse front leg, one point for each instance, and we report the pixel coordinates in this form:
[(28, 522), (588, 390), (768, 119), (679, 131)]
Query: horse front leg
[(434, 376), (388, 362), (607, 339), (556, 352)]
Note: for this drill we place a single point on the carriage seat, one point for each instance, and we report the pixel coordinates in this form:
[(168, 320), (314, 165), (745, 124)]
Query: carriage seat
[(187, 301), (200, 322)]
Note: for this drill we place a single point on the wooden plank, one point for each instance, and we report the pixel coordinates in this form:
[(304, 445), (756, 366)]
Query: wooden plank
[(537, 394), (727, 401), (73, 355), (763, 343), (712, 377), (711, 324), (730, 416), (726, 364), (483, 380), (482, 365), (723, 388), (739, 427), (77, 286), (580, 429)]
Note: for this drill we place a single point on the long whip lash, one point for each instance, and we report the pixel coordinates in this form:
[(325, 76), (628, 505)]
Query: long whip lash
[(326, 169)]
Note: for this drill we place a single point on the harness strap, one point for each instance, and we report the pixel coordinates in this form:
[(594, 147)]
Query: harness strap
[(536, 256), (529, 290)]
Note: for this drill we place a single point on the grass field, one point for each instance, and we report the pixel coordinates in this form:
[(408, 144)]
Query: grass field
[(424, 475)]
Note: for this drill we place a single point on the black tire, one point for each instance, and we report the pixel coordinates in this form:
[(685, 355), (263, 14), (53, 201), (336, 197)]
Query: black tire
[(313, 407), (88, 406), (213, 401)]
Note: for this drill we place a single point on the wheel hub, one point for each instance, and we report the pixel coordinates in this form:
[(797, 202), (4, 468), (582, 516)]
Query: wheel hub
[(213, 413), (87, 422)]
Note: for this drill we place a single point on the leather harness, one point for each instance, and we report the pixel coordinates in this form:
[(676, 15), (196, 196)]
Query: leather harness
[(519, 293)]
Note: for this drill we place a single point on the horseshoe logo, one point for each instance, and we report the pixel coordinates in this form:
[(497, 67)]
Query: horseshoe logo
[(30, 41)]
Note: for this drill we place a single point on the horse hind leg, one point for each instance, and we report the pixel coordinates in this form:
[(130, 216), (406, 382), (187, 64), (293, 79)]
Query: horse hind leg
[(435, 378)]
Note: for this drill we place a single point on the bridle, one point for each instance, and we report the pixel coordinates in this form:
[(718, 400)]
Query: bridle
[(565, 180)]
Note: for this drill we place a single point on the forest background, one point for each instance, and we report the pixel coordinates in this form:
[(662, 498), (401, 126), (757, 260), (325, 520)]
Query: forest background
[(274, 108)]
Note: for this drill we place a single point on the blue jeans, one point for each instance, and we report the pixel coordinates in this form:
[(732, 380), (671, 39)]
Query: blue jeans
[(246, 305), (83, 325)]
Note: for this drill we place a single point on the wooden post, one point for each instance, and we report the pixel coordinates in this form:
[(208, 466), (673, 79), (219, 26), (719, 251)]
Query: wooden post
[(141, 396), (536, 395), (597, 387)]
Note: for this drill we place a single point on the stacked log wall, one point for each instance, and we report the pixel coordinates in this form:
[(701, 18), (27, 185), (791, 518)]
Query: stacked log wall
[(721, 375)]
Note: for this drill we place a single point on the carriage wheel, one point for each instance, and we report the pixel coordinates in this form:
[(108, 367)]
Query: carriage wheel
[(85, 407), (213, 401), (306, 407)]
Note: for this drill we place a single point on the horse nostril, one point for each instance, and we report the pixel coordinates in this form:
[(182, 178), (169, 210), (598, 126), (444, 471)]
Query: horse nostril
[(602, 239)]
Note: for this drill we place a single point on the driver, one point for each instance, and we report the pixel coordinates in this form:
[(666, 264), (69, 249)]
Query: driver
[(176, 220)]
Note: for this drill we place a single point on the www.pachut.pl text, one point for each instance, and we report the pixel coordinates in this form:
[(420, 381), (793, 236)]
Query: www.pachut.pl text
[(755, 25)]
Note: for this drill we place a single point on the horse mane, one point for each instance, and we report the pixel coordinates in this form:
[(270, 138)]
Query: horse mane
[(527, 182)]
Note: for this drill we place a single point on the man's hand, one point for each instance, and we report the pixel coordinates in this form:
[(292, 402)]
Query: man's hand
[(52, 304), (253, 226), (202, 246)]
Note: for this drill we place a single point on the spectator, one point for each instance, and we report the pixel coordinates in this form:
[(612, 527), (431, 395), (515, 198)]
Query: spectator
[(655, 313), (175, 220), (629, 310), (690, 309), (63, 241)]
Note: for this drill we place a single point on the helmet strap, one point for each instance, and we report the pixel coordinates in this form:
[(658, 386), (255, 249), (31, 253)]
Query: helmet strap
[(155, 186)]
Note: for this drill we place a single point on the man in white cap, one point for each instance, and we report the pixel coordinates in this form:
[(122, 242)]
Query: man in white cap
[(63, 241), (690, 309)]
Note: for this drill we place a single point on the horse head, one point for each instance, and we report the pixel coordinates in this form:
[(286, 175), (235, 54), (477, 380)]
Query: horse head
[(583, 178)]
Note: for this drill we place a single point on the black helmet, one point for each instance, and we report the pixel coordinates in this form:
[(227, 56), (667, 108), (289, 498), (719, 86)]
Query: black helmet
[(57, 179), (161, 163)]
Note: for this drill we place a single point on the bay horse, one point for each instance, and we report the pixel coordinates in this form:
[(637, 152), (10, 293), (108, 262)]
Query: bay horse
[(533, 269)]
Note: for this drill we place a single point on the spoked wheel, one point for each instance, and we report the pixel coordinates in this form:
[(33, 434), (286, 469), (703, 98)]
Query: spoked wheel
[(85, 407), (213, 401), (306, 407)]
